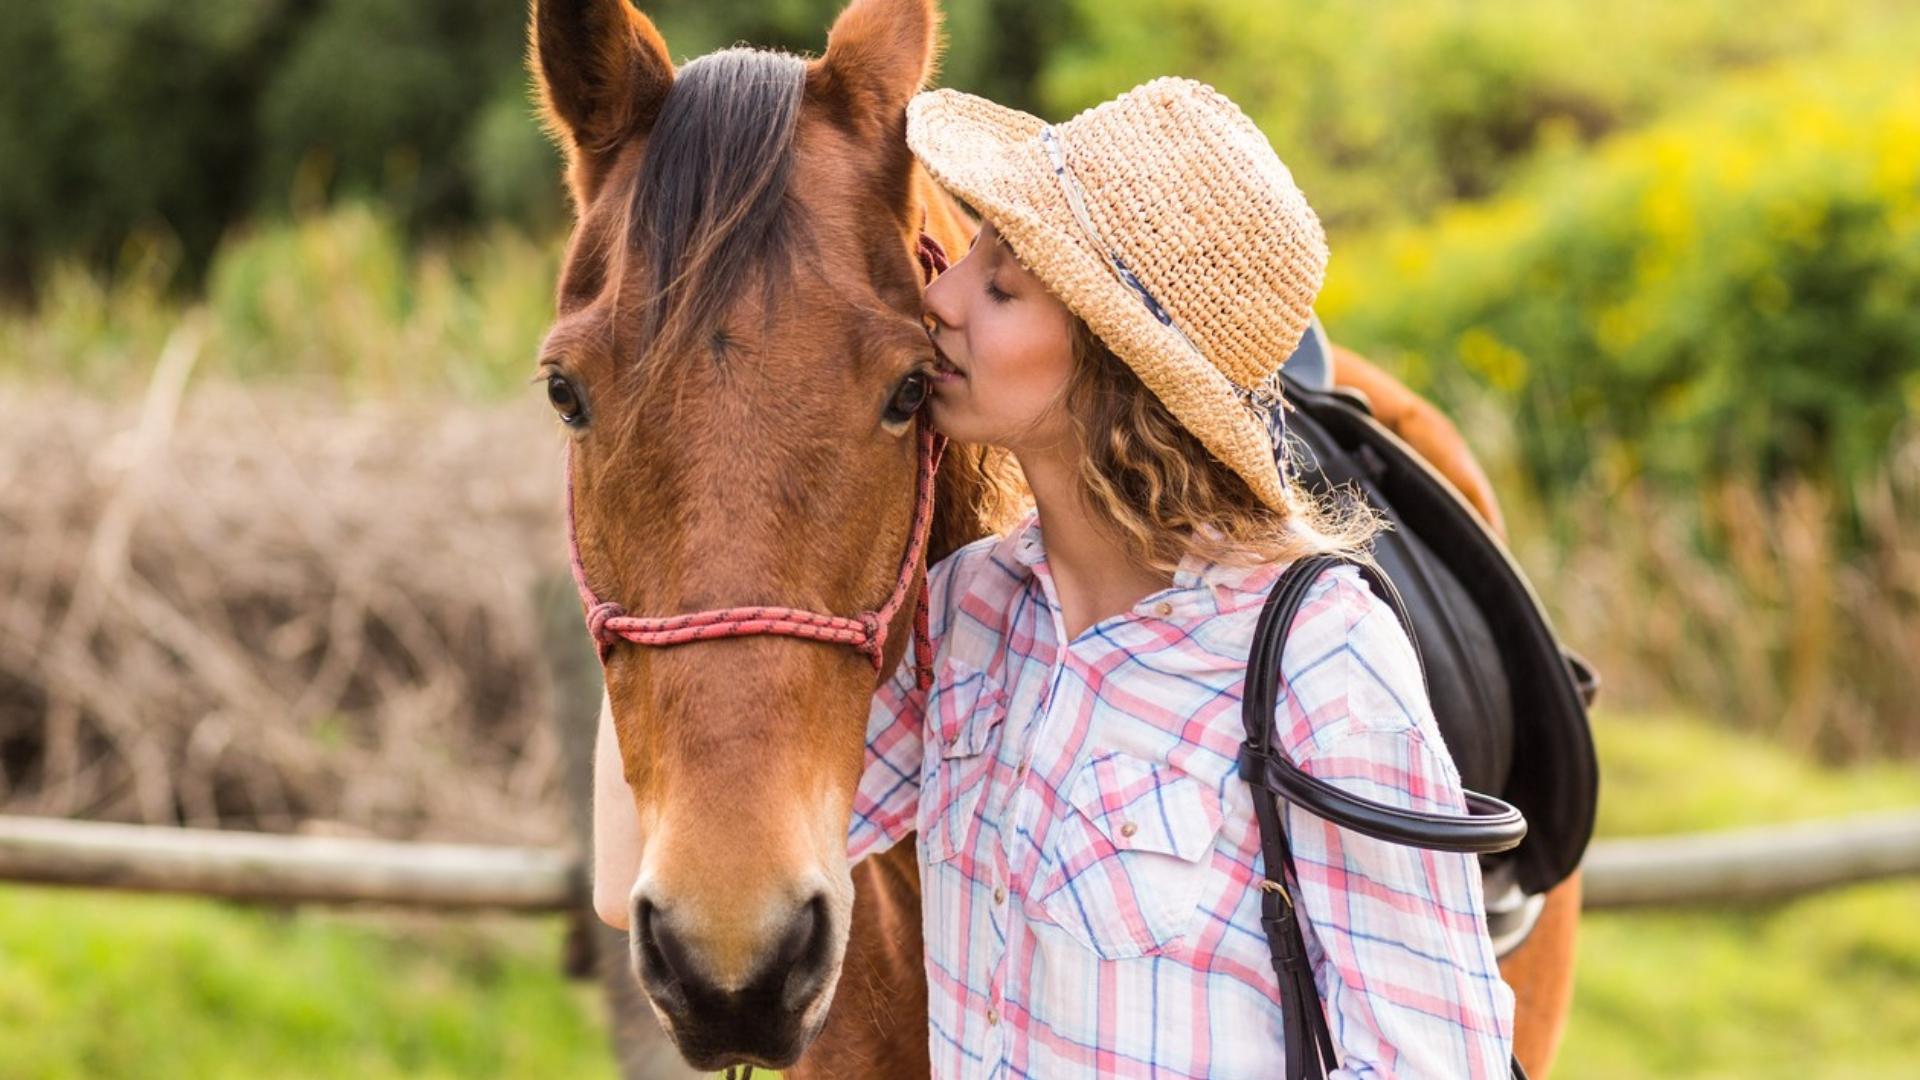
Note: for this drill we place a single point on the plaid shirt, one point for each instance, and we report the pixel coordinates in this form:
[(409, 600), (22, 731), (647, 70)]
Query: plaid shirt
[(1089, 856)]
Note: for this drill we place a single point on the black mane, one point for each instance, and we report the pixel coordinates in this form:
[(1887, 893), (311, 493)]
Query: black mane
[(711, 203)]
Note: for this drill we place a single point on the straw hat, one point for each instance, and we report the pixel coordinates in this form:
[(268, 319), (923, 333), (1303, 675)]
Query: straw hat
[(1165, 220)]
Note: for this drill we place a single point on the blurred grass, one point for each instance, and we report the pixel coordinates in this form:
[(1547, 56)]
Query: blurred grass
[(102, 985), (1828, 986), (1667, 773), (1825, 986)]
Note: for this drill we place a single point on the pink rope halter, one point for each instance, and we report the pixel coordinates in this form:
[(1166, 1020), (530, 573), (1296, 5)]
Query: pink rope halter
[(609, 623)]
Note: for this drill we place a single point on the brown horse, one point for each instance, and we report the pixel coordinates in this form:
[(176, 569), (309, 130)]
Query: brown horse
[(735, 353)]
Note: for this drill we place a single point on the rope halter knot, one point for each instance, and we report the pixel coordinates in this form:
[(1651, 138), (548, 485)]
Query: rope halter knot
[(597, 617)]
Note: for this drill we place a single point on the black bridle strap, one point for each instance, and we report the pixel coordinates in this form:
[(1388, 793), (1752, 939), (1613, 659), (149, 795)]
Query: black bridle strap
[(1491, 825)]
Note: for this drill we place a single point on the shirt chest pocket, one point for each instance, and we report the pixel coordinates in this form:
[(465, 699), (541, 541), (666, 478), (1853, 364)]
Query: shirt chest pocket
[(1127, 856), (965, 722)]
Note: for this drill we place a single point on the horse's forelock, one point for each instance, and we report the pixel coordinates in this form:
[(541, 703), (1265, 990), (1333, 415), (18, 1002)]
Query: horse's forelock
[(710, 207)]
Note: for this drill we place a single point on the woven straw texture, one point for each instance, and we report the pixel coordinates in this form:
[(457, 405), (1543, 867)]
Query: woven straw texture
[(1180, 185)]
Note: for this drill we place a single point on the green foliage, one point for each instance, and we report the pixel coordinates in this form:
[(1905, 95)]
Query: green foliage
[(993, 47), (167, 122), (119, 117), (1387, 111), (342, 297), (516, 175), (377, 97), (172, 121), (1733, 292)]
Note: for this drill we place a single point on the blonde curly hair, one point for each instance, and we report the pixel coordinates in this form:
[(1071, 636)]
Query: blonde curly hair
[(1166, 496)]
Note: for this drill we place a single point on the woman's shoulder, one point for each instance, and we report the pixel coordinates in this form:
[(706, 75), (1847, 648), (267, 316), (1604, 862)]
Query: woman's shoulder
[(1349, 669)]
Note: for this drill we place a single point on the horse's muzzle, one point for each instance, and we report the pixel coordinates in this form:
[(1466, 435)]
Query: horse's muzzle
[(769, 1018)]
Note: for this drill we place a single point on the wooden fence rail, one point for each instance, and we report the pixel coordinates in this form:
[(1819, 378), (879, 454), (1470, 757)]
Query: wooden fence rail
[(1737, 866), (270, 867), (1770, 862)]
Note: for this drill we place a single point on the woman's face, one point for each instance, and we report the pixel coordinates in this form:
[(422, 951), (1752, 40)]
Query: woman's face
[(1008, 349)]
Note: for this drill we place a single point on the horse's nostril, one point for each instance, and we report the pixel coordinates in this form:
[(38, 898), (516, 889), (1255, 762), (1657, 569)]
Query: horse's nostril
[(801, 962), (802, 931), (658, 940)]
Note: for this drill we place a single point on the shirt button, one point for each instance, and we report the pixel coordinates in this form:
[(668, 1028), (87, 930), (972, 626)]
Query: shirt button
[(1163, 609), (993, 1018), (999, 894), (1127, 829)]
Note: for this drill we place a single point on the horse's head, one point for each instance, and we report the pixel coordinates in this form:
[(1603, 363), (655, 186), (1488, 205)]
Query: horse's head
[(738, 355)]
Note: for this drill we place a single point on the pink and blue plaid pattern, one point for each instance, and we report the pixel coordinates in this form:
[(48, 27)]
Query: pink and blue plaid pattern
[(1089, 857)]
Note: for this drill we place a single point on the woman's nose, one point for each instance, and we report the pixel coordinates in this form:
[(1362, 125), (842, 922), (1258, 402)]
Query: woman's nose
[(937, 305)]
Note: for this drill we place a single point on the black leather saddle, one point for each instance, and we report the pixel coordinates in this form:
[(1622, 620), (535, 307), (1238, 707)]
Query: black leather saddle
[(1511, 701)]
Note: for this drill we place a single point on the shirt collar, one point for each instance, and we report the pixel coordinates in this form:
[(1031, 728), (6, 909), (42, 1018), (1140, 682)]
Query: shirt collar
[(1022, 545)]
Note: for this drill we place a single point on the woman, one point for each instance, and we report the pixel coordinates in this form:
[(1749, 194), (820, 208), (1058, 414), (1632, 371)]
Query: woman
[(1090, 860)]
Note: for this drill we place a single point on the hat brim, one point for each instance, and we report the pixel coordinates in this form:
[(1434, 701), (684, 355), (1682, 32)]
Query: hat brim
[(991, 157)]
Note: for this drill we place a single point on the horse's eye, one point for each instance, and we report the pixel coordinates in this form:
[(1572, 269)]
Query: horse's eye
[(565, 401), (907, 398)]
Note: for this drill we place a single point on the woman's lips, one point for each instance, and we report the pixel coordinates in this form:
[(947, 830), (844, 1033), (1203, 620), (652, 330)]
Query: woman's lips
[(944, 370)]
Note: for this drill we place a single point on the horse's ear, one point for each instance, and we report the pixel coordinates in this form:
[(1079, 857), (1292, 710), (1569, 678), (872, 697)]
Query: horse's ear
[(603, 72), (879, 54)]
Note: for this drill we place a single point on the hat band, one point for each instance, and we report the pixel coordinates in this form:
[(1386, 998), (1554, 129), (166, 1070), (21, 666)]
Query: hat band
[(1076, 200), (1269, 407), (1264, 401)]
